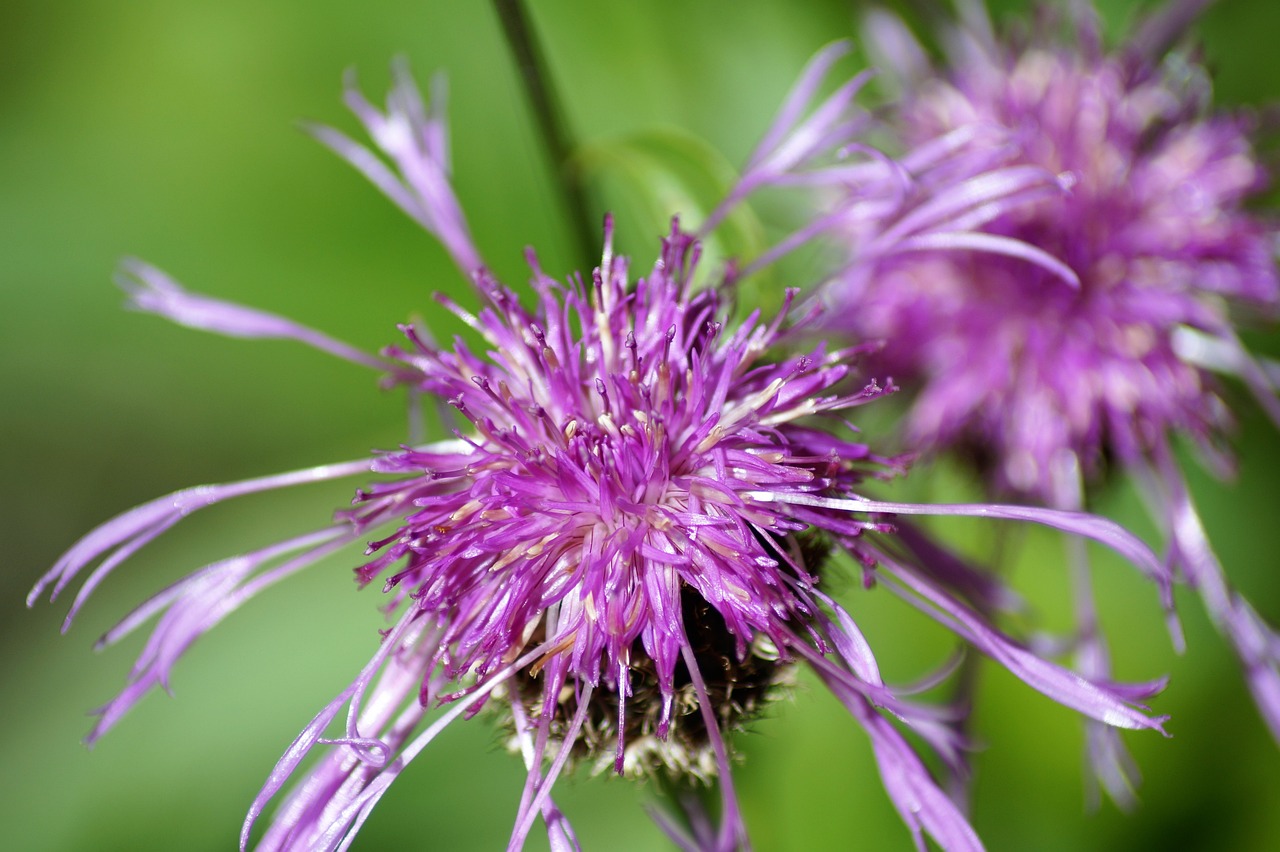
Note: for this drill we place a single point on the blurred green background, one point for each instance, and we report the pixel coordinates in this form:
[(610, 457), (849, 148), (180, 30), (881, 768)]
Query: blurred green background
[(166, 130)]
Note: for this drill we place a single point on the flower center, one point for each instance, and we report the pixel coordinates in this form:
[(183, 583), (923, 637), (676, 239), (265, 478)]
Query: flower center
[(738, 687)]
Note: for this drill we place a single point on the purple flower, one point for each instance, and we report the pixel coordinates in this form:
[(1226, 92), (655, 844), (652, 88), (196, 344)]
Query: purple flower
[(621, 547), (1049, 379)]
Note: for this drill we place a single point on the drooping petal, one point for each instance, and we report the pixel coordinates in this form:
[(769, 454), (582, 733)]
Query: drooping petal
[(1094, 699), (923, 806), (198, 603), (153, 291), (124, 534), (1255, 642), (1094, 527)]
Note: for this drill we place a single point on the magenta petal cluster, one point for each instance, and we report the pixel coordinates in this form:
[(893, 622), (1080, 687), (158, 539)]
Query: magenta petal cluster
[(627, 527), (1049, 381), (1025, 364)]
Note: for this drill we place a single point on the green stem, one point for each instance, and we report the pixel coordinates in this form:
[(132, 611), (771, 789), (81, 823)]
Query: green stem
[(552, 127)]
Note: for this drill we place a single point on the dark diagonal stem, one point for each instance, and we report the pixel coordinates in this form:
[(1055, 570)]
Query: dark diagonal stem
[(552, 127)]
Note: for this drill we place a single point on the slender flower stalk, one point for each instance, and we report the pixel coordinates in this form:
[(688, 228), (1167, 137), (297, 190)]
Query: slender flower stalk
[(1050, 378), (548, 115), (621, 547)]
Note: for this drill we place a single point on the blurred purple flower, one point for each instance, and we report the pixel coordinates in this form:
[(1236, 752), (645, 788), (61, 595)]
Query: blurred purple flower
[(621, 546), (1048, 378)]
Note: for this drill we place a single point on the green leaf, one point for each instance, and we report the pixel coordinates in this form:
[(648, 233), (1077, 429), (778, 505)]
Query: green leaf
[(648, 177)]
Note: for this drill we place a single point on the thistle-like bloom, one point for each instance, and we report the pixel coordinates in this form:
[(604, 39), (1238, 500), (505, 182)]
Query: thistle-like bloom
[(620, 547), (1048, 378)]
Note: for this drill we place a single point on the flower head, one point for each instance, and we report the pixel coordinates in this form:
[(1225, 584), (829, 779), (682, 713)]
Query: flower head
[(1026, 366), (616, 440), (1049, 379), (621, 545)]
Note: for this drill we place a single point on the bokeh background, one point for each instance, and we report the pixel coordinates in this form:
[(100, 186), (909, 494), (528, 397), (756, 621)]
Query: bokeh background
[(166, 129)]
